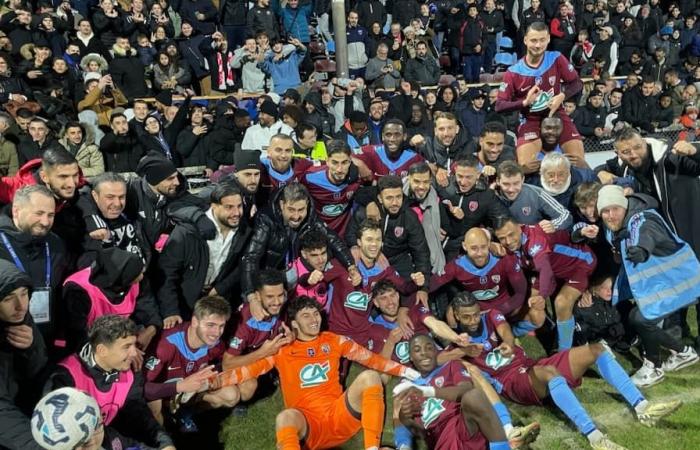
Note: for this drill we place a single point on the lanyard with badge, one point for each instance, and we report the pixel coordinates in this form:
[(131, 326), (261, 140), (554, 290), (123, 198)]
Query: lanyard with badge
[(39, 304)]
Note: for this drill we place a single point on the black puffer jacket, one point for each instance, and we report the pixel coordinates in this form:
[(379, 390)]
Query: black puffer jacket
[(16, 365), (274, 244), (321, 118), (121, 152)]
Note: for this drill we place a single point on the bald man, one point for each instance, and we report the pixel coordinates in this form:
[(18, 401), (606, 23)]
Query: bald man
[(497, 283)]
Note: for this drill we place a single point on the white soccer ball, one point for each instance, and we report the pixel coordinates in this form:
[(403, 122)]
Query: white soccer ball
[(64, 419)]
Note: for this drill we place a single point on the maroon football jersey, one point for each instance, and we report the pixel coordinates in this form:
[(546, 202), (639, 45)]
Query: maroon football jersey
[(250, 333), (549, 75), (378, 161), (332, 202), (380, 329), (500, 284), (436, 413), (351, 306), (173, 359)]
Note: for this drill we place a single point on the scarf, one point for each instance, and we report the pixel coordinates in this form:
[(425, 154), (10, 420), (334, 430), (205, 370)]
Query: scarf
[(431, 227), (225, 78)]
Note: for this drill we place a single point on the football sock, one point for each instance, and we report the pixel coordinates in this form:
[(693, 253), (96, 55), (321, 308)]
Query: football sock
[(565, 331), (502, 445), (566, 401), (373, 415), (504, 417), (402, 437), (523, 327), (287, 439), (615, 375)]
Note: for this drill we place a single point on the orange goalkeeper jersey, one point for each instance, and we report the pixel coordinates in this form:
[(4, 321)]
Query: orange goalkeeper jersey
[(308, 371)]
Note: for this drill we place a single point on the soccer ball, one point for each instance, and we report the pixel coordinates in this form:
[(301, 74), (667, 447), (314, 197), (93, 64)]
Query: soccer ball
[(64, 419)]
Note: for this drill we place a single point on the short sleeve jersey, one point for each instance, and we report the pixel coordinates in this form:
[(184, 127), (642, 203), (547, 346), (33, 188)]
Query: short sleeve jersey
[(381, 328), (436, 413), (489, 284), (378, 161), (250, 333), (332, 202), (520, 77), (173, 358)]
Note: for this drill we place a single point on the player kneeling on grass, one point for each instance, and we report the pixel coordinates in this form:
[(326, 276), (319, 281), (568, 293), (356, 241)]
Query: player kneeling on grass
[(317, 411), (528, 382), (182, 360), (443, 406)]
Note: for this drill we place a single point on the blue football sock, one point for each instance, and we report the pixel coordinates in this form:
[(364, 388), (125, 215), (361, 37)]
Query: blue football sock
[(402, 436), (523, 327), (502, 445), (565, 331), (615, 375), (567, 402), (503, 414)]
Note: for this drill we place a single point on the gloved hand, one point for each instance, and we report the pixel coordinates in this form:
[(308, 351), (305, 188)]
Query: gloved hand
[(637, 254), (206, 227), (426, 391)]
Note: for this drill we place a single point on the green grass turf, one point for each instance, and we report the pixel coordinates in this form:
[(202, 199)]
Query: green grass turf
[(679, 432)]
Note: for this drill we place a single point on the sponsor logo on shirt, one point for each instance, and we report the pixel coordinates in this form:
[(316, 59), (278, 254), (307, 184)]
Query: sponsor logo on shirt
[(235, 342), (152, 363), (357, 300), (401, 351), (334, 210), (432, 408), (314, 374)]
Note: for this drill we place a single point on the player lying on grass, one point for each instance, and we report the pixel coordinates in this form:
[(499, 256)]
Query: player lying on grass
[(317, 411), (444, 407), (528, 382)]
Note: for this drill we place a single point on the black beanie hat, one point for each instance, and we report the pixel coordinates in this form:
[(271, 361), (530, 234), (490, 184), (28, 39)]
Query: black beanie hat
[(155, 168), (115, 269), (269, 108), (165, 97), (246, 159)]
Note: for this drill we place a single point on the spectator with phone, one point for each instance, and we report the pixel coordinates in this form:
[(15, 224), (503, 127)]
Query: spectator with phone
[(380, 72)]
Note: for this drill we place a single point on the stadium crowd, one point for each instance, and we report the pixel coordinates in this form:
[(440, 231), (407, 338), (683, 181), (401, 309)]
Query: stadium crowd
[(421, 217)]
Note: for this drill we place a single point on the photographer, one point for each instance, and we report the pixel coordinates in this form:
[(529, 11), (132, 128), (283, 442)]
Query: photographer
[(101, 97), (282, 63), (220, 59), (247, 58)]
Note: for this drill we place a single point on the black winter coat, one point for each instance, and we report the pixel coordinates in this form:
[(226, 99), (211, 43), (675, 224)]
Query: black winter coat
[(480, 206), (121, 153), (184, 264), (403, 236), (274, 245), (128, 75), (32, 253), (18, 368)]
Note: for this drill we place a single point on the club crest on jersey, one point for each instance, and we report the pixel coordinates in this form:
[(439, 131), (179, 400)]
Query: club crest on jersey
[(314, 374), (473, 206), (552, 80), (439, 381), (310, 352), (357, 300), (526, 210), (503, 87), (496, 278), (402, 352), (325, 348), (398, 231)]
